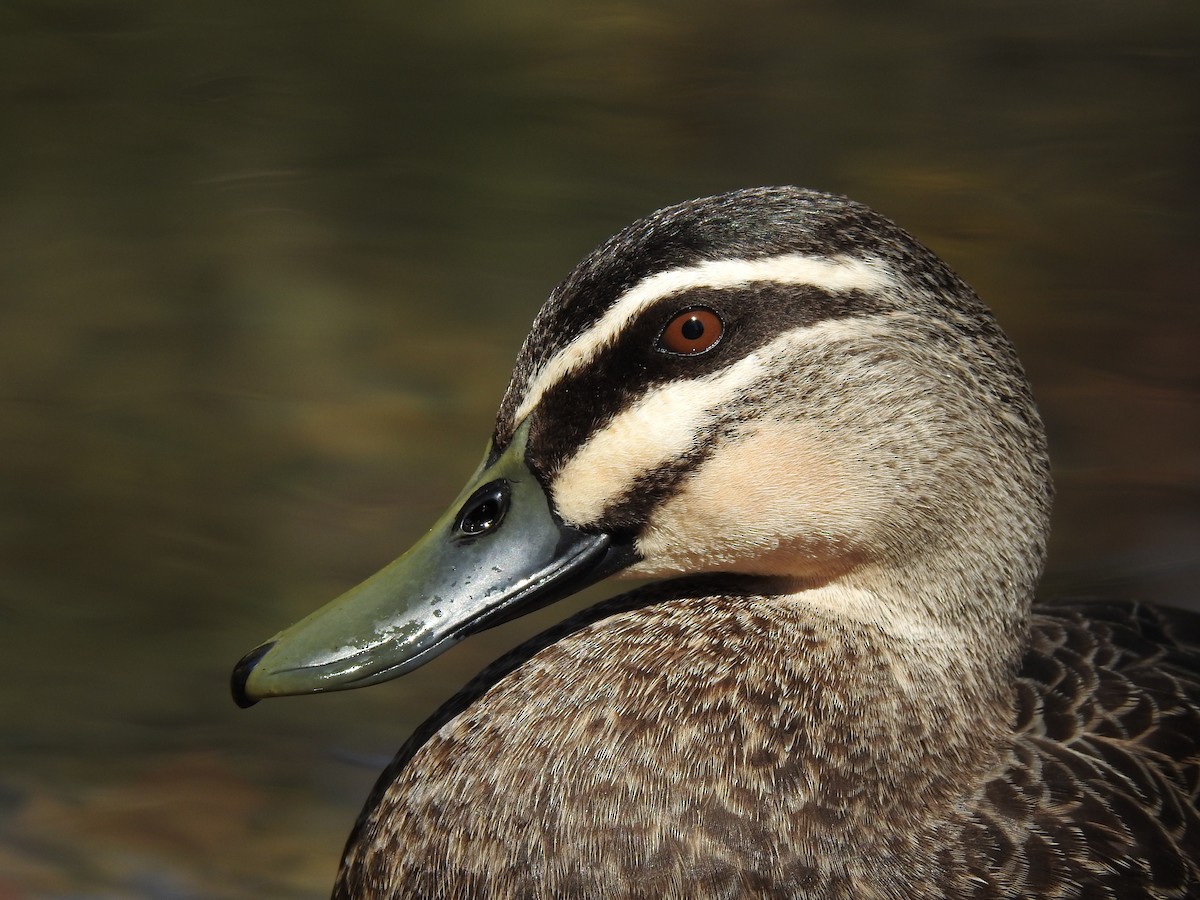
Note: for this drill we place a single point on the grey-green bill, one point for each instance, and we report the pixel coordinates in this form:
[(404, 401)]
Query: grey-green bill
[(497, 553)]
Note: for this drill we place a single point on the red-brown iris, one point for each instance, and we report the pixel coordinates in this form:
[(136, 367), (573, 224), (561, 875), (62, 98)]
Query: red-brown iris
[(692, 331)]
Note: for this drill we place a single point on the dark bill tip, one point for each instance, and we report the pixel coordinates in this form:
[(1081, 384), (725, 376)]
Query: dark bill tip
[(241, 672)]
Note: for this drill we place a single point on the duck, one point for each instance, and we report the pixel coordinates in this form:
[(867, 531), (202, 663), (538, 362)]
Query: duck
[(815, 444)]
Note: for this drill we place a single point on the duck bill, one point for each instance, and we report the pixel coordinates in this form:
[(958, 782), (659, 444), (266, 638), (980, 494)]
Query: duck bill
[(499, 552)]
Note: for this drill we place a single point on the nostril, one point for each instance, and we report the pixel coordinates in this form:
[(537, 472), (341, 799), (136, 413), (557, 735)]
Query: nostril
[(484, 510), (482, 517)]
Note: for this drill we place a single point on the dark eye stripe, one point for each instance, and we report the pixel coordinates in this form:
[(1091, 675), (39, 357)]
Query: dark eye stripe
[(588, 398), (748, 224)]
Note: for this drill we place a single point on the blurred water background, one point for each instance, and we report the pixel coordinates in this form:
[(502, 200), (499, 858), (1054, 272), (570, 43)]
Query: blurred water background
[(264, 268)]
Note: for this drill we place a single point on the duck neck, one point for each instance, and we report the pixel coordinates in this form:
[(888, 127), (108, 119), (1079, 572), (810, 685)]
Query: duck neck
[(866, 728), (952, 589), (913, 701)]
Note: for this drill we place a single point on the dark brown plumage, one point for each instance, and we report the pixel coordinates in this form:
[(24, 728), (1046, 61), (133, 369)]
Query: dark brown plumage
[(1099, 794), (739, 750)]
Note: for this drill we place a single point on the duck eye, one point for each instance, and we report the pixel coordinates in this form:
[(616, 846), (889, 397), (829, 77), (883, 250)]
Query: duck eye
[(691, 331)]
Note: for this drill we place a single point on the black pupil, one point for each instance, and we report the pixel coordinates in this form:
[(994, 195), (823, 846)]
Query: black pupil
[(692, 329)]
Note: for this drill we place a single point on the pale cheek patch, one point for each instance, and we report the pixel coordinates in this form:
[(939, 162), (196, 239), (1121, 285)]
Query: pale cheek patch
[(778, 501), (667, 423), (663, 426)]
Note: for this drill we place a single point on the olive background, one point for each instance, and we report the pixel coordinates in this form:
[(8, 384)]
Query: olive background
[(264, 268)]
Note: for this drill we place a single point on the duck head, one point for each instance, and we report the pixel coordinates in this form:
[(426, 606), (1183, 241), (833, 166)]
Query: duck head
[(776, 384)]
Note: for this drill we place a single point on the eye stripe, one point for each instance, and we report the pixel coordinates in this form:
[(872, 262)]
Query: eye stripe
[(587, 398), (833, 275)]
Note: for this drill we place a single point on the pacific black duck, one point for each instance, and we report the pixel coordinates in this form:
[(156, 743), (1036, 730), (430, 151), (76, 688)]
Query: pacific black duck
[(817, 438)]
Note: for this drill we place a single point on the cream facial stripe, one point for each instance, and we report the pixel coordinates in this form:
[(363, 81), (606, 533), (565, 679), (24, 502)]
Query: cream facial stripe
[(664, 424), (834, 274)]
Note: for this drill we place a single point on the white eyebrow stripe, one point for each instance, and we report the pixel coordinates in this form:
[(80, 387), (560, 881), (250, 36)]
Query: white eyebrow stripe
[(666, 422), (837, 274)]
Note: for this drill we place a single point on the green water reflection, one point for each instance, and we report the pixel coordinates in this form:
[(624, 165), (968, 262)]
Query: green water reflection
[(265, 268)]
